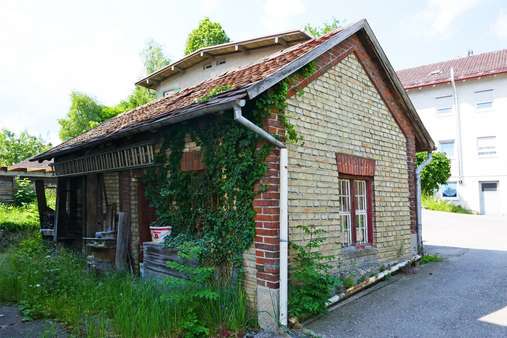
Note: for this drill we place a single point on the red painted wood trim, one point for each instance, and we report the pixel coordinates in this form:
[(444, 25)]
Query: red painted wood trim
[(353, 206), (369, 205)]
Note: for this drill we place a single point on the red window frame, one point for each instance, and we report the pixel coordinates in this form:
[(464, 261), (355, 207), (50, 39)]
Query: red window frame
[(353, 208)]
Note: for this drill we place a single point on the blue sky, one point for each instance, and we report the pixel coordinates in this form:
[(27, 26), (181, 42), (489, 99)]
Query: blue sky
[(49, 48)]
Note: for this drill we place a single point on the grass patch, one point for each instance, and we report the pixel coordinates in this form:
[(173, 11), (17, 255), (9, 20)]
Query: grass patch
[(52, 282), (19, 218), (431, 259), (432, 203)]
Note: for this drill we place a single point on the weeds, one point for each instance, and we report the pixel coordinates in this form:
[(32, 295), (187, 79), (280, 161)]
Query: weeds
[(51, 282), (432, 203), (431, 259)]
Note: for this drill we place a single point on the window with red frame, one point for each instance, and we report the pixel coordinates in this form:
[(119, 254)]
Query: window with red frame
[(355, 210)]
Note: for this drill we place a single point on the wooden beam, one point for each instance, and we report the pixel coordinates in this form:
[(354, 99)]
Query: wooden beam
[(281, 41), (41, 201), (120, 260)]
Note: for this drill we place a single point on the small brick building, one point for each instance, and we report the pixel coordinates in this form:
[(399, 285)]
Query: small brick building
[(353, 175)]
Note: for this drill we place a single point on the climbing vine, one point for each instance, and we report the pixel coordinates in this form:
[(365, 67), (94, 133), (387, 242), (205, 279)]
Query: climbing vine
[(213, 208)]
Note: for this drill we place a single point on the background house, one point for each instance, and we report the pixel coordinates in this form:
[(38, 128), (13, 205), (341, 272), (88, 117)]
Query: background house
[(353, 176), (467, 121)]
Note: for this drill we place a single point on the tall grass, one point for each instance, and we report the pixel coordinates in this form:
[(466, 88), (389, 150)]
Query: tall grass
[(432, 203), (52, 282), (16, 218)]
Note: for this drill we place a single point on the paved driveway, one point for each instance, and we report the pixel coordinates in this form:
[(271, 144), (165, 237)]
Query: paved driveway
[(463, 296)]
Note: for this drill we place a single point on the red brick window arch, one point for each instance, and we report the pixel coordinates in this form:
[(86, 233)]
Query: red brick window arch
[(355, 190)]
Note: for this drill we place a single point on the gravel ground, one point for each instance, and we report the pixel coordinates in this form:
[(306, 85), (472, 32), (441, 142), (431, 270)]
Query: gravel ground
[(465, 295)]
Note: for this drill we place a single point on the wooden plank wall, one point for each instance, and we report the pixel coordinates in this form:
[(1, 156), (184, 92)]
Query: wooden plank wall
[(6, 188)]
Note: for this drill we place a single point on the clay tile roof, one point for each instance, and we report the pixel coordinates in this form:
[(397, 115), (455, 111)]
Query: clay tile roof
[(473, 66), (240, 79), (30, 166)]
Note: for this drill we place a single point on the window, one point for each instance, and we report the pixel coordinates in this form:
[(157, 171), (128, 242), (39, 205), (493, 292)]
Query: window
[(170, 92), (220, 62), (447, 147), (444, 103), (207, 66), (483, 99), (486, 146), (355, 202), (449, 190)]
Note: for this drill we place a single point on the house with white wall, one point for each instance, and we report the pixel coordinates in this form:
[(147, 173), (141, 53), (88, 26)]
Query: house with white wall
[(463, 103)]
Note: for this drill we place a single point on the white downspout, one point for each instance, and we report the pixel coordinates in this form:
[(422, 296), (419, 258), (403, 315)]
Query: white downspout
[(458, 128), (284, 216), (418, 171)]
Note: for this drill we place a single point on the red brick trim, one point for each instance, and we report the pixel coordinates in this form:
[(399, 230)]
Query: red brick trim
[(355, 165)]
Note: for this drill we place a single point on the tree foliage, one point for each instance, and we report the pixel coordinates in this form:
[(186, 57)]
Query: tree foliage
[(325, 28), (15, 148), (436, 173), (153, 56), (86, 113), (207, 33)]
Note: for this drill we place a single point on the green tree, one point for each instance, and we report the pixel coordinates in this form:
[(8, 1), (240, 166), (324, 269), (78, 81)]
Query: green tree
[(436, 173), (15, 148), (154, 58), (86, 113), (208, 33), (325, 28)]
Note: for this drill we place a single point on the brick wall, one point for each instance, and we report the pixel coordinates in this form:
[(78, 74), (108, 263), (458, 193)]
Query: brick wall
[(346, 109), (111, 185)]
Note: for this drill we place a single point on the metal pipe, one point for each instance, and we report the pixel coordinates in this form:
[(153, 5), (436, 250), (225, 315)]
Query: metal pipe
[(283, 204), (458, 128), (418, 171)]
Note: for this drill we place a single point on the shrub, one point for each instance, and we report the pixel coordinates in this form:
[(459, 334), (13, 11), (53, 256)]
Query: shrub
[(432, 203), (25, 193), (431, 259), (18, 218), (311, 283)]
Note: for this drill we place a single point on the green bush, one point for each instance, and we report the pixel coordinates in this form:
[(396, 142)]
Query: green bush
[(51, 282), (18, 218), (311, 283), (432, 203), (25, 193)]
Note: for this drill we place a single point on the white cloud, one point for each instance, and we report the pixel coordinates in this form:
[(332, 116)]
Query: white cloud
[(500, 25), (439, 16), (278, 14)]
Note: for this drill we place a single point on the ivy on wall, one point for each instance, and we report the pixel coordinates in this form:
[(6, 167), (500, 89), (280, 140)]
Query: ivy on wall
[(214, 208)]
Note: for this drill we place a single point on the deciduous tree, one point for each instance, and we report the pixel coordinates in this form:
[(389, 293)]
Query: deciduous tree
[(436, 173), (207, 33), (326, 27), (15, 148)]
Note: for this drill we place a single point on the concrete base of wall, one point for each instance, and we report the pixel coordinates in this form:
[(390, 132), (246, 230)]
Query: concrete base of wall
[(267, 308), (413, 244)]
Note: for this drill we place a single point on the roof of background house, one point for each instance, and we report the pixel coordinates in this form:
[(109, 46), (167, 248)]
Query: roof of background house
[(190, 60), (485, 64), (28, 168), (247, 82)]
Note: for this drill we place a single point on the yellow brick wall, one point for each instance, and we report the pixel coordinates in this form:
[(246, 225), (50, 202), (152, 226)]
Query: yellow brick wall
[(341, 111)]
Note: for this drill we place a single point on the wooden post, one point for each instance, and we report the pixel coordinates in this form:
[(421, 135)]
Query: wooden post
[(91, 204), (121, 242), (41, 202)]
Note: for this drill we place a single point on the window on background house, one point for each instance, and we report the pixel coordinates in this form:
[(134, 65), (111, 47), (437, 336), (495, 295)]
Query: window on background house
[(447, 147), (449, 190), (484, 99), (355, 200), (486, 146), (444, 103)]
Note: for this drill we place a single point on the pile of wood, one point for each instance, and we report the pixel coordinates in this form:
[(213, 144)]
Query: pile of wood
[(156, 256)]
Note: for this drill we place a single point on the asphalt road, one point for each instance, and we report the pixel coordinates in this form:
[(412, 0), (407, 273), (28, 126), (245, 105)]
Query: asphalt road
[(465, 295)]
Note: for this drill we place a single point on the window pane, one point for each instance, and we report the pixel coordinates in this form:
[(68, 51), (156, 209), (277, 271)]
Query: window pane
[(447, 147), (361, 229), (345, 211), (486, 146), (484, 99), (444, 103), (449, 190)]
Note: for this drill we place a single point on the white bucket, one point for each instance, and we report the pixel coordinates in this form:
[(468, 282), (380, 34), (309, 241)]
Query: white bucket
[(158, 234)]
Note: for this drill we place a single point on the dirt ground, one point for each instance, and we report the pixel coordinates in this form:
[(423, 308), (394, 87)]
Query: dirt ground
[(12, 325)]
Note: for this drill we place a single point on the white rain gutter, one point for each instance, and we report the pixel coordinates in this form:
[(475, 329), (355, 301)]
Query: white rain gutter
[(284, 182), (458, 128), (418, 171)]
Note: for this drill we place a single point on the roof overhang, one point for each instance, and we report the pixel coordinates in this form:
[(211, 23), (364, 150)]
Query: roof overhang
[(283, 39)]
